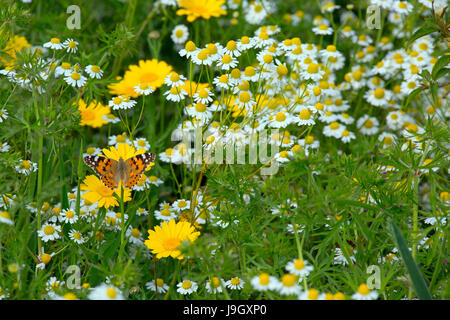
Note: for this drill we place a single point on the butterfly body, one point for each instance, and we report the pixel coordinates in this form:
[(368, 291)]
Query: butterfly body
[(112, 172)]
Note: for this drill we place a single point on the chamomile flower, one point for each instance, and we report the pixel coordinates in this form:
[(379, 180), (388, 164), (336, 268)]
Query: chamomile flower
[(378, 97), (134, 236), (264, 282), (367, 125), (181, 205), (294, 228), (175, 94), (5, 217), (347, 136), (4, 147), (213, 285), (76, 236), (227, 62), (94, 71), (75, 79), (299, 267), (339, 257), (364, 293), (203, 96), (71, 45), (49, 232), (68, 216), (105, 292), (174, 79), (235, 283), (387, 139), (157, 286), (187, 287), (402, 7), (141, 143), (180, 34), (289, 285), (64, 68), (26, 167), (323, 30), (310, 294), (189, 50), (54, 43)]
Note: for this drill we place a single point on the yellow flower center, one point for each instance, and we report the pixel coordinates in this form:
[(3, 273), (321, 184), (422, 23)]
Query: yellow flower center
[(159, 282), (179, 33), (186, 284), (305, 114), (267, 58), (111, 293), (334, 125), (45, 258), (135, 233), (5, 214), (235, 73), (226, 59), (190, 46), (26, 164), (244, 97), (69, 214), (48, 230), (55, 40), (72, 44), (363, 289), (235, 281), (288, 280), (231, 45), (379, 93), (299, 264), (264, 279), (148, 77), (165, 212), (280, 117), (368, 124), (313, 68), (75, 76), (313, 294), (65, 65), (323, 27)]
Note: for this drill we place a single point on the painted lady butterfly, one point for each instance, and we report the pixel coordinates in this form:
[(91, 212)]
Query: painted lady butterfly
[(128, 171)]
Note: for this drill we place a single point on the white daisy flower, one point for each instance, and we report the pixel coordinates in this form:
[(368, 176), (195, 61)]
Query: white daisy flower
[(26, 167), (289, 285), (68, 216), (364, 293), (54, 43), (105, 292), (6, 218), (49, 232), (4, 147), (214, 285), (264, 282), (75, 79), (94, 71), (187, 287), (180, 34), (71, 45), (235, 283), (157, 286), (299, 267), (76, 236)]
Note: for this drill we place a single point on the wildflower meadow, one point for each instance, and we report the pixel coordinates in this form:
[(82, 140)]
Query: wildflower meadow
[(224, 150)]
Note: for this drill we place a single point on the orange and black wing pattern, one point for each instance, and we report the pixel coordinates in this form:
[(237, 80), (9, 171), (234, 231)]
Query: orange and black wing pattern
[(106, 168), (135, 166)]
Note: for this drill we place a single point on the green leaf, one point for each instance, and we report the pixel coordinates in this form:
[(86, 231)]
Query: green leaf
[(419, 284), (422, 32), (411, 96), (354, 203), (439, 65)]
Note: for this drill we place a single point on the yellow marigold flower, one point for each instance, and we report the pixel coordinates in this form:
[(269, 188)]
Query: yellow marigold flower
[(123, 150), (192, 87), (164, 241), (15, 44), (204, 9), (92, 115), (97, 191), (150, 73)]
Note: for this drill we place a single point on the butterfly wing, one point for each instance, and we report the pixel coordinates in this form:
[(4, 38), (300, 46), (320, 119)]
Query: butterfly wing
[(106, 168), (135, 166)]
